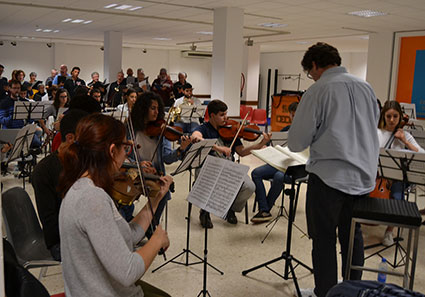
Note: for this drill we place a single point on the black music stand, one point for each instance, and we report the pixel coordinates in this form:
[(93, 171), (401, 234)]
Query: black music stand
[(192, 112), (296, 172), (408, 167), (25, 110), (21, 149), (194, 158)]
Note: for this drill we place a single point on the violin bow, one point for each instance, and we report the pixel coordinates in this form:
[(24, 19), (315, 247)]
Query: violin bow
[(160, 136), (153, 222), (239, 130)]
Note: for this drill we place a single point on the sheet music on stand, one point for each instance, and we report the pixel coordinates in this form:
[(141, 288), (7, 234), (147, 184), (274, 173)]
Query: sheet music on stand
[(22, 142), (25, 110), (195, 156), (217, 185), (279, 138), (192, 111), (394, 163), (62, 110)]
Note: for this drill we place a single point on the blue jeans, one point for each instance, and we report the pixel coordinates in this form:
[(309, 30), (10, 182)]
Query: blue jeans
[(187, 127), (265, 203), (396, 190)]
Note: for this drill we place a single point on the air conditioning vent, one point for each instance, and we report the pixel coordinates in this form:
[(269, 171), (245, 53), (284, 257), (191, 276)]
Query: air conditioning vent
[(196, 54)]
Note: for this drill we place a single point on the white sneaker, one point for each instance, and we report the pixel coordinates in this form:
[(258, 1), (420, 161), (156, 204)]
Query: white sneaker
[(305, 293), (388, 238)]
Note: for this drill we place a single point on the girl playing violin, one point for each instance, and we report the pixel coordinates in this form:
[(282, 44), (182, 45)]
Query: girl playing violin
[(129, 98), (98, 258), (148, 109), (392, 136)]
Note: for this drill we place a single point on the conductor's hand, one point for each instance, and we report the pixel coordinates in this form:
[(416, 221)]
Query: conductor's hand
[(161, 237)]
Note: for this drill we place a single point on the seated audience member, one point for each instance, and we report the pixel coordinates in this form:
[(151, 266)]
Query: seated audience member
[(178, 85), (187, 124), (23, 94), (96, 243), (279, 178), (3, 83), (33, 81), (392, 136), (142, 81), (52, 92), (49, 80), (73, 82), (130, 79), (63, 75), (163, 86), (18, 75), (45, 180), (115, 90), (41, 95), (94, 79), (217, 111)]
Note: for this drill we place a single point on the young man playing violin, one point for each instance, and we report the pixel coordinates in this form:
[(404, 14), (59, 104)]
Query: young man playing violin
[(217, 111)]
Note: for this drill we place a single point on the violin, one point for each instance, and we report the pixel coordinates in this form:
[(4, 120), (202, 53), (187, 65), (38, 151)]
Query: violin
[(156, 128), (128, 186), (233, 129)]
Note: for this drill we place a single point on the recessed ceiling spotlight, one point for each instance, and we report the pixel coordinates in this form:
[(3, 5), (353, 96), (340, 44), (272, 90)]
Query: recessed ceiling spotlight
[(123, 7), (367, 13), (205, 32), (13, 43), (66, 20), (272, 25), (77, 21), (87, 22), (49, 44), (161, 38), (110, 5), (135, 8)]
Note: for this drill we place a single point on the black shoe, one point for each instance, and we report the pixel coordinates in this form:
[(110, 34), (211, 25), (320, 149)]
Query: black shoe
[(205, 219), (261, 217), (231, 217)]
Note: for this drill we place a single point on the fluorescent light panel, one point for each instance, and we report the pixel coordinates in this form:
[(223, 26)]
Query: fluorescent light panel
[(110, 5), (205, 32), (135, 8), (272, 25), (162, 38), (123, 7), (66, 20), (77, 21), (87, 22), (367, 13)]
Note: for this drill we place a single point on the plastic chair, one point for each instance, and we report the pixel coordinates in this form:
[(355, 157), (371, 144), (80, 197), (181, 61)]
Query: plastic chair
[(24, 232), (259, 116), (244, 110), (206, 116)]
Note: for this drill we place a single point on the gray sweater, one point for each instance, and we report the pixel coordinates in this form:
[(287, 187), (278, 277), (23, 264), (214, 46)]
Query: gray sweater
[(97, 245)]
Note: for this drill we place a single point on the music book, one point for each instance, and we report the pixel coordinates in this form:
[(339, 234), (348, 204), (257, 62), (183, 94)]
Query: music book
[(281, 157), (217, 185)]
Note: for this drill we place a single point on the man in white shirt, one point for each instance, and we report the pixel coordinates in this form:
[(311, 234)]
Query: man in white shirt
[(188, 124)]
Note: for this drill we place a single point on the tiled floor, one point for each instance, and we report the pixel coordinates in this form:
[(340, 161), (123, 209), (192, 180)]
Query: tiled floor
[(233, 249)]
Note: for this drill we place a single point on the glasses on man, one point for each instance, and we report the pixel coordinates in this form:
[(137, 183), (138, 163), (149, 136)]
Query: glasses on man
[(308, 74), (127, 146)]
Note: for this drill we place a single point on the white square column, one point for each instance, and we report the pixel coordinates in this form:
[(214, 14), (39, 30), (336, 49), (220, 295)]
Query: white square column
[(227, 57), (251, 71), (112, 55)]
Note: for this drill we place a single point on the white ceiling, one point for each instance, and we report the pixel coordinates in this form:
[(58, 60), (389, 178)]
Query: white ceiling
[(308, 21)]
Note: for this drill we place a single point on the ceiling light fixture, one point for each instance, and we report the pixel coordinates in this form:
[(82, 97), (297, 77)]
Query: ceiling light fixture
[(272, 25), (193, 47), (161, 38), (135, 8), (123, 7), (87, 22), (66, 20), (47, 30), (56, 31), (102, 48), (205, 32), (49, 44), (367, 13), (77, 21), (110, 5), (249, 42), (38, 30), (13, 43)]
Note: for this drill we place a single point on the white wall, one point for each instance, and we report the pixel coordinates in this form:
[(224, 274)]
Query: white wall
[(34, 56), (290, 63)]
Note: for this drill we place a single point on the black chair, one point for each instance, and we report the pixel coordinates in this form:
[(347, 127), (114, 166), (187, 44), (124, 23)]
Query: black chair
[(24, 232)]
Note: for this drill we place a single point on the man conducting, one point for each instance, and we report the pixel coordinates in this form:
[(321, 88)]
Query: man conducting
[(337, 117)]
